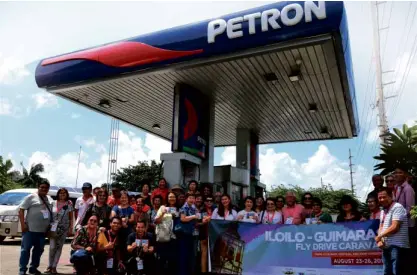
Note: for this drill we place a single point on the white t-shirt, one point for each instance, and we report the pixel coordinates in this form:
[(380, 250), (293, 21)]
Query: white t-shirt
[(232, 215), (269, 218), (81, 205), (248, 216)]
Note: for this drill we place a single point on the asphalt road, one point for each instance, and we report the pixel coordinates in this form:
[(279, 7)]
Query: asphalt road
[(10, 253)]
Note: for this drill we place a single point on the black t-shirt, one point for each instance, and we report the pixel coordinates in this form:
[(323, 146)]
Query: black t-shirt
[(147, 236), (102, 212)]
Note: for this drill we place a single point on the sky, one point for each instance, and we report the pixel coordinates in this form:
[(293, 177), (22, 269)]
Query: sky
[(38, 127)]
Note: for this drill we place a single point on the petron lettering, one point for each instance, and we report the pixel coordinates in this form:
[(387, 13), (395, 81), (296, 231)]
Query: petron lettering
[(269, 19)]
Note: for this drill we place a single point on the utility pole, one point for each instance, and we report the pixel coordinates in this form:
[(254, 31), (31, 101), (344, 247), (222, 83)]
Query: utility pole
[(380, 103), (321, 181), (352, 186), (78, 167)]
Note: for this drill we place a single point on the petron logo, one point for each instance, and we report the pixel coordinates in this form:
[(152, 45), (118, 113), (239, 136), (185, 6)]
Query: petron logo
[(269, 19)]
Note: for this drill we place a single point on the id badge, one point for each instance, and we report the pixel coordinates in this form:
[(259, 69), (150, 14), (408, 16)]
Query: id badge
[(45, 214), (110, 263), (54, 226), (314, 221), (198, 215), (139, 263), (289, 220), (138, 242), (308, 221), (144, 242)]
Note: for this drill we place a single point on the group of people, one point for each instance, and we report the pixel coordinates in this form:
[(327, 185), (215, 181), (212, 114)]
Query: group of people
[(166, 231)]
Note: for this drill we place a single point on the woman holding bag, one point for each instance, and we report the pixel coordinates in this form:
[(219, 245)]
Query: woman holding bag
[(62, 211), (165, 237)]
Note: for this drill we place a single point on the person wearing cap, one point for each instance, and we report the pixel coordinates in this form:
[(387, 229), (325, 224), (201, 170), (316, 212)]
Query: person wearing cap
[(177, 189), (82, 204), (293, 212), (114, 199)]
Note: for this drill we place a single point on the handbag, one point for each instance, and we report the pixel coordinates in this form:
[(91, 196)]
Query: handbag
[(164, 231)]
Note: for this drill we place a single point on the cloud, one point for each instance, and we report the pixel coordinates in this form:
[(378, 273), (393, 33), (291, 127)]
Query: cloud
[(5, 107), (62, 170), (12, 70), (75, 115), (228, 156), (280, 168), (45, 100), (372, 136)]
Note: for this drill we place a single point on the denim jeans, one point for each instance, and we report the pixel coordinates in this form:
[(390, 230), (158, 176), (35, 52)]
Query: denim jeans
[(393, 257), (186, 254), (29, 240)]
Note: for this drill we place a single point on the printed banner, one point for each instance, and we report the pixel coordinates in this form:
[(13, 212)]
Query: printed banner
[(321, 249)]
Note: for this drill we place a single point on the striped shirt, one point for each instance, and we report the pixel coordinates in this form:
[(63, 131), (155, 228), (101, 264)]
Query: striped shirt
[(396, 213)]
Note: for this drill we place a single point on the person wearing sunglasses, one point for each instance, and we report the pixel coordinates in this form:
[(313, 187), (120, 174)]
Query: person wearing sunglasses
[(390, 183), (307, 203), (280, 203), (85, 245), (248, 214), (271, 215), (317, 215), (99, 208)]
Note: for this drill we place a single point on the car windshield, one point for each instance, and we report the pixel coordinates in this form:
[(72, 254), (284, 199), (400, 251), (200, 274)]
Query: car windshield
[(11, 198)]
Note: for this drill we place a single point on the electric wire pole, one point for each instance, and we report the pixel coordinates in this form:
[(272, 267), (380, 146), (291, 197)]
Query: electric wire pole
[(380, 103), (352, 186)]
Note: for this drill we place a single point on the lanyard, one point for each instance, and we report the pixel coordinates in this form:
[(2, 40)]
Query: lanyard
[(318, 215), (374, 216), (58, 209), (268, 219), (385, 213), (397, 199)]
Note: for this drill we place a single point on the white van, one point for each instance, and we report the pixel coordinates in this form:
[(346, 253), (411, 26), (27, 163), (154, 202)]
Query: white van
[(9, 208)]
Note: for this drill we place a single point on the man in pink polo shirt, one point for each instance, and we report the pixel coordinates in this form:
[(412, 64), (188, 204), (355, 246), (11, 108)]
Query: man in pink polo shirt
[(293, 212)]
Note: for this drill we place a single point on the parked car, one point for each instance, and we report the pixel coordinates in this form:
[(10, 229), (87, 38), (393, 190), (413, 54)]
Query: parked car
[(9, 209)]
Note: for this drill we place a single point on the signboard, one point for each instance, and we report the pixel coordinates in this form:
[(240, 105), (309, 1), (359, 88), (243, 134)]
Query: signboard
[(320, 249), (190, 131)]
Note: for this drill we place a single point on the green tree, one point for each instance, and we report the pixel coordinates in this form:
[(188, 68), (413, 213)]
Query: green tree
[(400, 149), (7, 176), (31, 178), (133, 176), (329, 197)]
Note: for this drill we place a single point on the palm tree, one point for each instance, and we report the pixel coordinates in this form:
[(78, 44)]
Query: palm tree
[(32, 178), (7, 177), (400, 149)]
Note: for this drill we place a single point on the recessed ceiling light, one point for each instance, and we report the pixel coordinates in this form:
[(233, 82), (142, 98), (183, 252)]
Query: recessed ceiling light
[(270, 77), (312, 107), (156, 126), (105, 103), (122, 100), (295, 74)]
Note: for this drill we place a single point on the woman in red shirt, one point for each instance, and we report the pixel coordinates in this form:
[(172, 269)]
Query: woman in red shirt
[(162, 191)]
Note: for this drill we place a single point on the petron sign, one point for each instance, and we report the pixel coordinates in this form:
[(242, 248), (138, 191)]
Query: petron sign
[(190, 131), (289, 15), (230, 34)]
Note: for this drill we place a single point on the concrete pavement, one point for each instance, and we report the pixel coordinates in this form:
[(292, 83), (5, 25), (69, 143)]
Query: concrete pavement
[(10, 253)]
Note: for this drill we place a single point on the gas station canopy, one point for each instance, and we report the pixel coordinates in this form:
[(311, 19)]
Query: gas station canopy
[(283, 70)]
